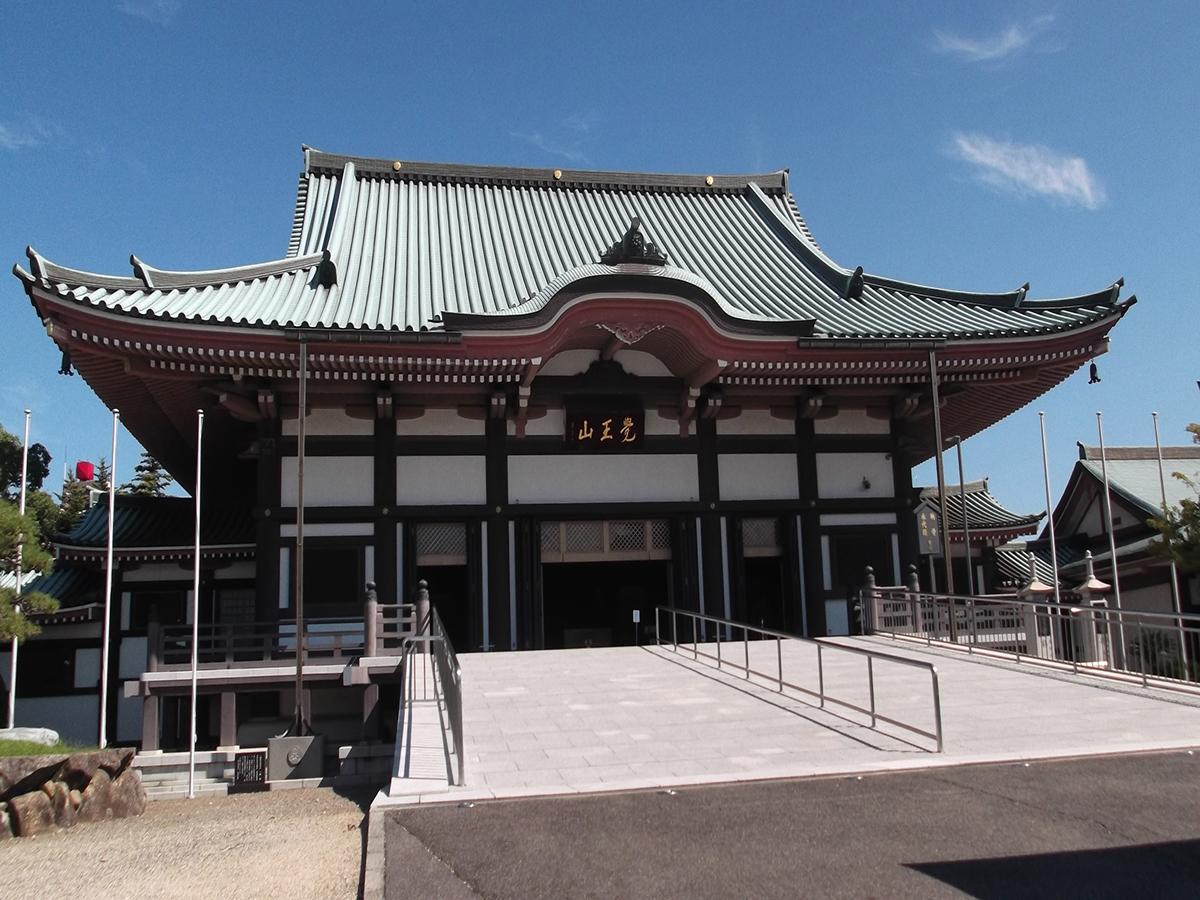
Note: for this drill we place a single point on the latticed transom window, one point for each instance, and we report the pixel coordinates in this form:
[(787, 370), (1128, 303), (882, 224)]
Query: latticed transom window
[(441, 544), (760, 537), (616, 539)]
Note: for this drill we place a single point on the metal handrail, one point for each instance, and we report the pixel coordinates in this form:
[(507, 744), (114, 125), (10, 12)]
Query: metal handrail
[(444, 664), (777, 678), (1087, 635)]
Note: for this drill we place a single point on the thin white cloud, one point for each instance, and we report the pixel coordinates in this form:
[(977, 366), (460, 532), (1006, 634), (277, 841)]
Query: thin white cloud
[(1030, 169), (160, 12), (992, 48), (30, 133), (569, 150)]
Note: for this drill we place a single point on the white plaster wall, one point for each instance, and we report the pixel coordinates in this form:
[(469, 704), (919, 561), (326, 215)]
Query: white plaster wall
[(329, 529), (858, 519), (852, 421), (658, 424), (329, 421), (439, 480), (132, 661), (129, 718), (157, 572), (638, 362), (758, 476), (569, 362), (595, 478), (552, 424), (1156, 598), (330, 481), (756, 421), (239, 570), (440, 423), (840, 475), (87, 668), (75, 717)]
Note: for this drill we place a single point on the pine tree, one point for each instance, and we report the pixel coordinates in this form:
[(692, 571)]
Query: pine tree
[(73, 502), (150, 479), (21, 531)]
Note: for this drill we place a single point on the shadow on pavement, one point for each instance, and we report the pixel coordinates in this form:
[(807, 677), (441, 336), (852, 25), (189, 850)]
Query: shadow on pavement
[(1169, 869)]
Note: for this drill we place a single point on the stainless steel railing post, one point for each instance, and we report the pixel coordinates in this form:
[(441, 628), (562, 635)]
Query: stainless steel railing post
[(937, 707), (820, 676), (779, 659), (871, 686), (746, 645), (718, 630), (675, 629), (695, 642), (974, 626)]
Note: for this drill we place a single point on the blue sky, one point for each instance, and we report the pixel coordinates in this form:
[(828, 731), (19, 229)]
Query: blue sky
[(958, 144)]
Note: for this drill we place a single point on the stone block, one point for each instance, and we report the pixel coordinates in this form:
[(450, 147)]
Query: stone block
[(60, 802), (94, 804), (31, 814), (21, 774), (5, 824), (295, 757), (127, 796)]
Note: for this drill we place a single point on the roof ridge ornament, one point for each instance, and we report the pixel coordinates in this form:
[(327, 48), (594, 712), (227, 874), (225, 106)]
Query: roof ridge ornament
[(633, 248)]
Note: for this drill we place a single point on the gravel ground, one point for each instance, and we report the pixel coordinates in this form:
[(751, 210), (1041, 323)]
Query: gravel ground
[(293, 843)]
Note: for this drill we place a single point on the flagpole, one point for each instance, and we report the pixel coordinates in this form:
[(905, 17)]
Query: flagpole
[(1174, 572), (195, 607), (1049, 508), (108, 585), (299, 726), (1112, 538), (12, 674)]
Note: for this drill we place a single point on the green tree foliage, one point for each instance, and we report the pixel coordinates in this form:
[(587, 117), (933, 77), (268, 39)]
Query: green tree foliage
[(10, 465), (150, 479), (17, 531), (40, 507), (103, 475), (1180, 526), (73, 502)]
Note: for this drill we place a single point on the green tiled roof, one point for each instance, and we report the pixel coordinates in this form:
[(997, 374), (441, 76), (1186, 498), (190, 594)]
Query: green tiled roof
[(402, 246), (158, 522)]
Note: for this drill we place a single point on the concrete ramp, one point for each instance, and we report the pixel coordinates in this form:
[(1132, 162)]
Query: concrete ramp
[(421, 764)]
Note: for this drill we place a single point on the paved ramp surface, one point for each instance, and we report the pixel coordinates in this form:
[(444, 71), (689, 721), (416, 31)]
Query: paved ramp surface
[(606, 719), (1111, 827)]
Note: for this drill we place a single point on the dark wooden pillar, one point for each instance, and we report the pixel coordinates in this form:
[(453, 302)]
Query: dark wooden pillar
[(810, 524), (906, 521), (266, 580), (712, 562), (530, 634), (150, 703), (385, 503), (500, 636), (370, 712), (228, 734), (116, 638)]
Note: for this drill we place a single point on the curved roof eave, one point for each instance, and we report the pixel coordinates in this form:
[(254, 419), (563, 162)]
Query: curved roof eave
[(542, 305)]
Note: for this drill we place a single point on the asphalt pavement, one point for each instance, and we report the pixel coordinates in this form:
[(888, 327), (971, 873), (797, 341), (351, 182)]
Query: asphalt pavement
[(1098, 827)]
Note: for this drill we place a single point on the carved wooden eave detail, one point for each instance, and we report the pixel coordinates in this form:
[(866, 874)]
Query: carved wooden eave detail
[(707, 372), (498, 405), (687, 408), (239, 407), (633, 248), (268, 405), (906, 406), (712, 406), (522, 416), (385, 405), (815, 406)]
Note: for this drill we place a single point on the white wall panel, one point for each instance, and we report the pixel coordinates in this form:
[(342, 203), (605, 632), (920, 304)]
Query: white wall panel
[(569, 362), (552, 424), (594, 478), (858, 519), (852, 421), (330, 481), (758, 476), (75, 717), (330, 529), (440, 480), (638, 362), (840, 475), (329, 421), (440, 423), (756, 421)]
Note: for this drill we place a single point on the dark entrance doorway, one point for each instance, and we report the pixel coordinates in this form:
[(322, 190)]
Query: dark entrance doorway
[(591, 604), (439, 551)]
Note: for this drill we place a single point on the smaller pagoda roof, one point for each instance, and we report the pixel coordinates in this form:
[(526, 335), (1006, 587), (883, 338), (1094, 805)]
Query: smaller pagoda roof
[(1012, 565), (986, 516), (157, 527), (1133, 473), (77, 590)]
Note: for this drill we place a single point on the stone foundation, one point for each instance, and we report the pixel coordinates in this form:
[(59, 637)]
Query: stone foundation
[(41, 793)]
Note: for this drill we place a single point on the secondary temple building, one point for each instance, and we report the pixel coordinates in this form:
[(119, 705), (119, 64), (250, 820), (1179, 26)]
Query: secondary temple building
[(561, 397)]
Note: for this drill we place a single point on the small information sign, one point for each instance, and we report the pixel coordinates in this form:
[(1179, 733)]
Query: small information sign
[(250, 771), (928, 533), (637, 616)]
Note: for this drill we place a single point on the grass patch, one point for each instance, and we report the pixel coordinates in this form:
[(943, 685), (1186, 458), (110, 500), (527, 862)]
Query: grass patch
[(32, 748)]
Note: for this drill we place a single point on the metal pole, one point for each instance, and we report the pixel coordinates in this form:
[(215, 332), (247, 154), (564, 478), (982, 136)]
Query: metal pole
[(1113, 540), (962, 496), (1175, 573), (299, 726), (941, 471), (108, 584), (195, 607), (1049, 507), (12, 674)]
